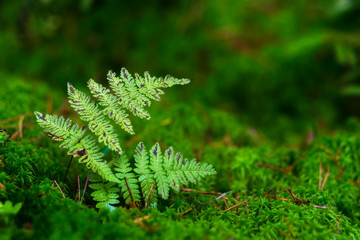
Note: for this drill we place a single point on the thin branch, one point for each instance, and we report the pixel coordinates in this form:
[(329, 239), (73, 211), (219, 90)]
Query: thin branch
[(78, 178), (67, 169), (235, 206), (285, 171), (13, 119), (247, 211), (325, 179), (284, 233), (201, 192), (290, 228), (216, 206), (59, 188), (225, 203), (86, 183), (21, 121), (320, 206), (15, 134), (320, 173), (147, 197)]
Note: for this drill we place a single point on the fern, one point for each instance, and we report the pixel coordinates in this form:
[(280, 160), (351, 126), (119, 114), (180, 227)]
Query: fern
[(154, 173), (80, 145), (146, 178), (105, 192), (128, 182), (157, 170)]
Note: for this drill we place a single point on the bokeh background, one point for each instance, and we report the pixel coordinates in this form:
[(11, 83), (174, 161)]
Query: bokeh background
[(283, 69)]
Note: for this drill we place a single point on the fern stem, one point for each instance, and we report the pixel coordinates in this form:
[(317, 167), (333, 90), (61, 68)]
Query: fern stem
[(130, 193), (67, 169), (59, 188), (78, 178), (86, 183), (150, 192)]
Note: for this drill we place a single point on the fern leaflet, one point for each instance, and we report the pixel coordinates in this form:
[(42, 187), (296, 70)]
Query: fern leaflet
[(72, 137), (105, 192), (128, 182)]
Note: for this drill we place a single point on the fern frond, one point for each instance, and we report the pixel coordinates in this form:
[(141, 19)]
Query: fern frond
[(169, 163), (182, 171), (89, 153), (128, 181), (159, 173), (60, 129), (135, 93), (146, 178), (150, 86), (112, 107), (124, 98), (91, 113), (72, 137), (105, 192), (156, 173)]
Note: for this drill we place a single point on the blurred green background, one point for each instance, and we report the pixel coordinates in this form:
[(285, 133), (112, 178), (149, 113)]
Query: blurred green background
[(282, 68)]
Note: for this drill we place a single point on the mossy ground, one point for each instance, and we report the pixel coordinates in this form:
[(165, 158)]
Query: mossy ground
[(249, 167)]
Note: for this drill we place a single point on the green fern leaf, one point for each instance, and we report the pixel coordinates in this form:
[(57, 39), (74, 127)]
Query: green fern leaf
[(124, 97), (91, 113), (72, 137), (90, 154), (169, 162), (60, 129), (154, 172), (112, 107), (105, 192), (184, 171), (150, 86), (159, 173), (128, 181), (146, 178)]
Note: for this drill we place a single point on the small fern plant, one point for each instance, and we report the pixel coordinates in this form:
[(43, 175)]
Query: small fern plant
[(153, 173)]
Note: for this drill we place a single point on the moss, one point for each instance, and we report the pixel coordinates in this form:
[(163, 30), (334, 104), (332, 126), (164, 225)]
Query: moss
[(248, 167)]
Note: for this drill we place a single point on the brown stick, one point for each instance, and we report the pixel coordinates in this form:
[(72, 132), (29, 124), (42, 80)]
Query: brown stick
[(59, 188), (216, 206), (284, 233), (247, 211), (325, 179), (86, 183), (67, 169), (320, 206), (225, 203), (320, 173), (290, 228), (79, 187), (13, 119), (21, 120), (15, 134), (285, 171), (201, 192), (235, 206), (147, 197)]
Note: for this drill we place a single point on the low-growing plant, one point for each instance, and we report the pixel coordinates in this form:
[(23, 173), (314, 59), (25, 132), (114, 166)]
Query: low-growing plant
[(154, 172)]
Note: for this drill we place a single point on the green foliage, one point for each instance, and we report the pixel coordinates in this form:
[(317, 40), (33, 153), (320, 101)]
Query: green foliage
[(6, 210), (72, 136), (168, 170), (3, 135), (132, 94), (105, 193)]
